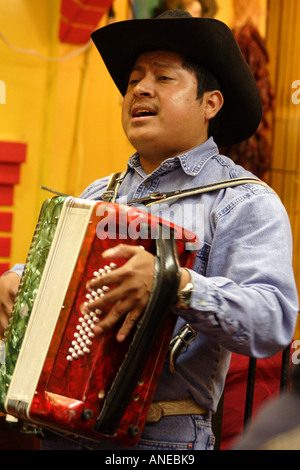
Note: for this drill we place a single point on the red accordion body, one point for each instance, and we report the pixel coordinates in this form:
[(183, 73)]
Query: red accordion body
[(75, 371)]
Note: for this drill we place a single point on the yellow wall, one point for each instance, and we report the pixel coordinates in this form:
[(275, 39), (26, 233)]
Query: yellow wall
[(66, 110), (225, 14)]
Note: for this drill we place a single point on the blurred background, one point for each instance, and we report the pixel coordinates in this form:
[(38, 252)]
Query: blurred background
[(60, 113)]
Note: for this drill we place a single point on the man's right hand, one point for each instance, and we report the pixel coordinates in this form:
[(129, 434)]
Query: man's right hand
[(9, 284)]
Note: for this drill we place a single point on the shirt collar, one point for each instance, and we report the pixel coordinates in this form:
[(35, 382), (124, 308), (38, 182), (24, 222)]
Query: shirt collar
[(191, 162)]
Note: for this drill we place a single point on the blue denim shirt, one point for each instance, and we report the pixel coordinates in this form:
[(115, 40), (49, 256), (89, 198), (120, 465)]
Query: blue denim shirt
[(244, 297)]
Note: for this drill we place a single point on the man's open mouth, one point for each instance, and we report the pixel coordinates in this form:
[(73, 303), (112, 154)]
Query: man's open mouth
[(142, 112)]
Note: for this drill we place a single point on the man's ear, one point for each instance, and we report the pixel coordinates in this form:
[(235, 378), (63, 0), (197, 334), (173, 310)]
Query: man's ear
[(213, 103)]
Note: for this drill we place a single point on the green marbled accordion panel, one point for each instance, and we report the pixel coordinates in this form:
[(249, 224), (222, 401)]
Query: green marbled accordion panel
[(35, 263)]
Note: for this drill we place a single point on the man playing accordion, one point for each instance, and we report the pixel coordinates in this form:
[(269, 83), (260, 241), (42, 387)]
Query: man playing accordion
[(187, 91)]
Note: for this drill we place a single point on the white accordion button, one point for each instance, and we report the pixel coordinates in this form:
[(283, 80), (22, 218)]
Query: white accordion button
[(82, 342)]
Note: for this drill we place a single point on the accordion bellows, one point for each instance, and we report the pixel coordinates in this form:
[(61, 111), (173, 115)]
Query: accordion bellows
[(55, 373), (29, 286)]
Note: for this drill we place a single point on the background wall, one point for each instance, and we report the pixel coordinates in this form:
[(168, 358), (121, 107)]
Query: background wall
[(62, 104)]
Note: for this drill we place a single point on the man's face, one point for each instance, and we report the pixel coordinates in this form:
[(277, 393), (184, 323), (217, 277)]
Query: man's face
[(161, 115)]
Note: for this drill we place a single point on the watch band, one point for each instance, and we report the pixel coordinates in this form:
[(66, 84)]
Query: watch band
[(184, 297)]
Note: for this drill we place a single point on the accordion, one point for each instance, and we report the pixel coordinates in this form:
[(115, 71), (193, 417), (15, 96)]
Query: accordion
[(55, 374)]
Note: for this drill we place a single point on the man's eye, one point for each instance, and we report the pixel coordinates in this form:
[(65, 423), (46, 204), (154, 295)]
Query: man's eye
[(164, 78), (133, 81)]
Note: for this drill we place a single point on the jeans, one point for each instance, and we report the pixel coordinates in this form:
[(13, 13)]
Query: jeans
[(170, 433)]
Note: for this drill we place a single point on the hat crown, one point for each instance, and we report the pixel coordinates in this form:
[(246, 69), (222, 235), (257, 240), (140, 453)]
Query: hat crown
[(174, 14)]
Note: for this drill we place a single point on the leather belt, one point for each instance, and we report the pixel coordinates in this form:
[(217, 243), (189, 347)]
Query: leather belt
[(186, 406)]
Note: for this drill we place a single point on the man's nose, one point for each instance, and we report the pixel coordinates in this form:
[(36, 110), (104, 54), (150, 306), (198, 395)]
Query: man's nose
[(145, 87)]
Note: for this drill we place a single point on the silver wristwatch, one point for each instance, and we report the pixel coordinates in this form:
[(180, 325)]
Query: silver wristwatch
[(184, 297)]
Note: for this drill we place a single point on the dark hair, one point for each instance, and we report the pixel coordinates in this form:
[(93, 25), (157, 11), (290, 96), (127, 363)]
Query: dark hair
[(206, 82)]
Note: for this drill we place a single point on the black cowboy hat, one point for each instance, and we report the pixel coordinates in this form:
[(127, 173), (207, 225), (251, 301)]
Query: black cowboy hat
[(206, 41)]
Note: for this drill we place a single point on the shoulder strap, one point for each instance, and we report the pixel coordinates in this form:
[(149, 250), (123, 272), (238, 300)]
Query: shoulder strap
[(112, 188), (116, 179), (156, 198)]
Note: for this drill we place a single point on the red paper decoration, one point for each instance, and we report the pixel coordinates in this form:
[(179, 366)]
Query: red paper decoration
[(12, 155), (79, 18), (4, 267), (5, 245), (6, 221), (6, 195)]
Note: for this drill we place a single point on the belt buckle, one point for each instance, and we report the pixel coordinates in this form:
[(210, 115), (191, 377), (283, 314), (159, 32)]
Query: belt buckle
[(155, 413)]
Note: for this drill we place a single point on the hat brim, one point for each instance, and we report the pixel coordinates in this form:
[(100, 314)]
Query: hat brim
[(206, 41)]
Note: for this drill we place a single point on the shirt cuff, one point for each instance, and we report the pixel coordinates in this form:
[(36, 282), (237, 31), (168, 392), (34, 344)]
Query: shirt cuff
[(17, 268)]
